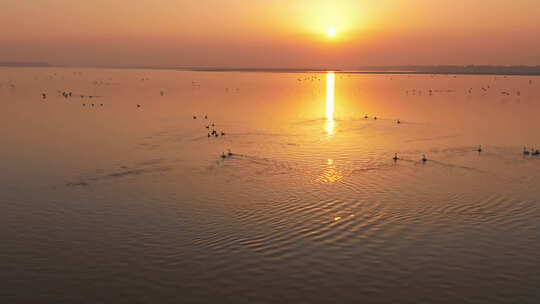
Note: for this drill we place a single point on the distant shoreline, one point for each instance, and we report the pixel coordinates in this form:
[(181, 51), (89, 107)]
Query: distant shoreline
[(414, 70), (24, 64), (398, 70)]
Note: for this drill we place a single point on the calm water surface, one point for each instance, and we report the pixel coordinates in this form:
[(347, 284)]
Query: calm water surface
[(117, 203)]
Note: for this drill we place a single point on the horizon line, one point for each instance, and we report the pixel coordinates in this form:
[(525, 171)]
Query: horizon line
[(514, 70)]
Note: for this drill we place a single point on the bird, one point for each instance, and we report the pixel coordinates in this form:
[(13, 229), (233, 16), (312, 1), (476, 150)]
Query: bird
[(223, 155), (525, 151), (205, 116), (208, 127), (44, 95), (424, 159), (208, 135), (375, 118), (366, 117), (395, 157), (537, 152), (138, 106), (194, 117), (229, 153), (222, 133), (398, 121), (479, 148)]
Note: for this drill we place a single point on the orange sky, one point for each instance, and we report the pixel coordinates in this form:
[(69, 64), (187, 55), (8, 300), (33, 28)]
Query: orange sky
[(271, 33)]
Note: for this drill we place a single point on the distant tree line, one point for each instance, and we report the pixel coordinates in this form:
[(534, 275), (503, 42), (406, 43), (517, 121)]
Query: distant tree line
[(458, 69)]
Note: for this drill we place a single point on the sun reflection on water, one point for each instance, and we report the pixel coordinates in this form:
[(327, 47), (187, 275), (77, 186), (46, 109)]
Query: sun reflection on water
[(330, 84), (331, 174)]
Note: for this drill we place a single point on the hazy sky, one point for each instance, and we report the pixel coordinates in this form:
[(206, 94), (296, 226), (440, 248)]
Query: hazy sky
[(270, 33)]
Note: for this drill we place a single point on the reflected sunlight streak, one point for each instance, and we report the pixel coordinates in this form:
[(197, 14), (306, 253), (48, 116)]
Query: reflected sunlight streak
[(330, 83), (330, 174)]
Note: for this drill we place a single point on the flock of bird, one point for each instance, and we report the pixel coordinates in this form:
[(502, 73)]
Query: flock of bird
[(526, 152), (69, 94), (533, 152), (214, 133)]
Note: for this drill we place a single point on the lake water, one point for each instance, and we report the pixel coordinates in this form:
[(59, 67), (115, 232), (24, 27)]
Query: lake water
[(104, 201)]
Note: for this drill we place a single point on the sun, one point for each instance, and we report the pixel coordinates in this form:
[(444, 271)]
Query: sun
[(331, 32)]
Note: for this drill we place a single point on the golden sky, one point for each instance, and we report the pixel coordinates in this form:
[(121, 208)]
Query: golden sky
[(271, 33)]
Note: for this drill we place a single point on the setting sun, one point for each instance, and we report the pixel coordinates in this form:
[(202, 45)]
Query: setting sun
[(331, 32)]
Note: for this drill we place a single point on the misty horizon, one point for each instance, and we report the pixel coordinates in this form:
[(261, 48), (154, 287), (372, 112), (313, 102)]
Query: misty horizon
[(402, 69)]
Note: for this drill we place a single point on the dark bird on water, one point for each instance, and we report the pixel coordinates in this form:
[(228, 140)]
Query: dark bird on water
[(222, 133), (138, 106), (229, 153), (395, 157), (194, 117), (398, 121), (525, 151), (424, 159), (223, 155), (479, 148)]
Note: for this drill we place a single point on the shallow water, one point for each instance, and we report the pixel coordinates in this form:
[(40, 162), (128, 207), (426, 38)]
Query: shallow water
[(117, 203)]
